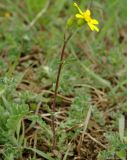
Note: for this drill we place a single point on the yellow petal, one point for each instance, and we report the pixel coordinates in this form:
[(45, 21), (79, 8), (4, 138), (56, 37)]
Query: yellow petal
[(80, 11), (87, 12), (88, 19), (94, 21), (79, 16), (93, 27), (96, 28)]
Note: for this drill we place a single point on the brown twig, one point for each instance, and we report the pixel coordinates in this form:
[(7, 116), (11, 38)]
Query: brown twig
[(56, 89)]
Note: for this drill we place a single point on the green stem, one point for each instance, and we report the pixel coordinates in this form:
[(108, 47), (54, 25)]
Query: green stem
[(56, 89)]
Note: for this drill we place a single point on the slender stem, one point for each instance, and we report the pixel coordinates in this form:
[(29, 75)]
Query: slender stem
[(56, 89)]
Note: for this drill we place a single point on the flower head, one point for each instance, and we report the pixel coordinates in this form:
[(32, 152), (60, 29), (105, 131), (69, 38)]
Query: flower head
[(87, 17)]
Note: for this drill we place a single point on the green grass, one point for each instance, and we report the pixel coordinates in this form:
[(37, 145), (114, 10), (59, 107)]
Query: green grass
[(94, 75)]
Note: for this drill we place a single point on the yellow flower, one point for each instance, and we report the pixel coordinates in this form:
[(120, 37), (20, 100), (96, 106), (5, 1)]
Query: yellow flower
[(87, 17), (7, 15)]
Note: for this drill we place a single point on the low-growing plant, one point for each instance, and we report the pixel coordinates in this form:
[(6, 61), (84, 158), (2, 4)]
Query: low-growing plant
[(68, 108)]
